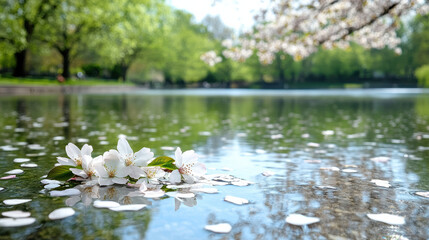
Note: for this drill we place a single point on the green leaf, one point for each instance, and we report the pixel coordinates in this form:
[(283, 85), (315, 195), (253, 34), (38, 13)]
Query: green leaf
[(163, 162), (159, 161), (60, 173), (169, 166)]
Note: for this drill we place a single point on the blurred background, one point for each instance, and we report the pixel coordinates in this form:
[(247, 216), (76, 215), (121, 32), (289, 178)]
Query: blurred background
[(158, 44)]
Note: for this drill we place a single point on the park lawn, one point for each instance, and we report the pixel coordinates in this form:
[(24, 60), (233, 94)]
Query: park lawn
[(10, 81)]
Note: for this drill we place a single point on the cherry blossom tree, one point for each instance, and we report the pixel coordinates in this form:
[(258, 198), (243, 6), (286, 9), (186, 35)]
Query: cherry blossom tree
[(300, 27)]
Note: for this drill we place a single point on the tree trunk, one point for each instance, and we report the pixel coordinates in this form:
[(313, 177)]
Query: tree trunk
[(66, 63), (20, 57), (124, 70)]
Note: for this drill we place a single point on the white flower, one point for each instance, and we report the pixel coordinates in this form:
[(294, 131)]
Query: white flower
[(188, 165), (75, 155), (133, 161), (88, 167), (151, 179), (111, 170)]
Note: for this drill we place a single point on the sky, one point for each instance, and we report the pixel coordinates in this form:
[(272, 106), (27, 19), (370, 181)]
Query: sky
[(236, 14)]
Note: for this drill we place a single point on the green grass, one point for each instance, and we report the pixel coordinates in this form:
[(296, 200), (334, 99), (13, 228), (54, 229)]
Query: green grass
[(10, 81)]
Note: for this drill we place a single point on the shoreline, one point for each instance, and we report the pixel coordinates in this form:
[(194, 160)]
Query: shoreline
[(65, 89)]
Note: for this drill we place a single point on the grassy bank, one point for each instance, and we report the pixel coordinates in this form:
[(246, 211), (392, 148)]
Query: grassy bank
[(10, 81)]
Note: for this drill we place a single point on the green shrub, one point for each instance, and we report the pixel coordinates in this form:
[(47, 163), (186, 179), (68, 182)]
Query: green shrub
[(422, 75)]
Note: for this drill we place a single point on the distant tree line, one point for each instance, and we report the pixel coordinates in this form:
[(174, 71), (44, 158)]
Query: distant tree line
[(148, 41)]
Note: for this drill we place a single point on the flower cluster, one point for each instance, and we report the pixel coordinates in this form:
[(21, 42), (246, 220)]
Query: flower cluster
[(298, 28), (123, 165)]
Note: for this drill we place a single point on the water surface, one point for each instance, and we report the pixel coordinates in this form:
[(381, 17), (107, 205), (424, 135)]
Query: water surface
[(246, 132)]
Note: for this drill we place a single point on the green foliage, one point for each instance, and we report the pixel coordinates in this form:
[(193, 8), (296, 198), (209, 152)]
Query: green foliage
[(422, 75), (163, 162), (60, 173)]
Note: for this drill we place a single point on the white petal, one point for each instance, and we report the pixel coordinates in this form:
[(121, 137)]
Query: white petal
[(105, 204), (268, 173), (51, 186), (178, 155), (29, 165), (387, 218), (16, 201), (66, 161), (423, 194), (49, 181), (236, 200), (219, 228), (73, 151), (301, 220), (131, 207), (105, 181), (199, 169), (61, 213), (67, 192), (124, 147), (134, 171), (14, 171), (119, 180), (175, 177), (142, 157), (79, 172), (12, 222), (21, 160), (16, 214), (185, 195), (86, 150), (188, 179), (154, 194), (72, 200), (189, 157)]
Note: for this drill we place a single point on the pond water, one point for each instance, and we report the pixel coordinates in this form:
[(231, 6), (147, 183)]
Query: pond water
[(300, 136)]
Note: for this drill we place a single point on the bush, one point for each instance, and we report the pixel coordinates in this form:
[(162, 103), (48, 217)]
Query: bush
[(422, 75), (92, 70)]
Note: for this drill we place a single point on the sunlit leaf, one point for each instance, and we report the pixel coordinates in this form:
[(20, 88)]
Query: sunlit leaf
[(60, 173)]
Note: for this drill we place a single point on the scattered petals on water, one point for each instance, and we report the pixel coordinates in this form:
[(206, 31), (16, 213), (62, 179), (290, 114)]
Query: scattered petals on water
[(381, 183), (380, 159), (61, 213), (105, 204), (130, 207), (16, 214), (14, 171), (349, 170), (312, 161), (324, 187), (67, 192), (16, 222), (16, 201), (29, 165), (236, 200), (423, 194), (58, 138), (260, 151), (82, 140), (219, 228), (21, 160), (154, 194), (387, 218), (241, 183), (301, 220), (8, 177), (1, 189), (185, 195), (268, 173)]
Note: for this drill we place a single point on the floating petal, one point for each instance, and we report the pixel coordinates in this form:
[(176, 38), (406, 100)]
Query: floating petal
[(423, 194), (8, 177), (29, 165), (301, 220), (219, 228), (12, 222), (380, 159), (16, 201), (105, 204), (67, 192), (61, 213), (15, 171), (236, 200), (154, 194), (387, 218), (131, 207), (381, 183), (268, 173), (348, 170), (205, 190), (16, 214), (21, 160), (49, 181)]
